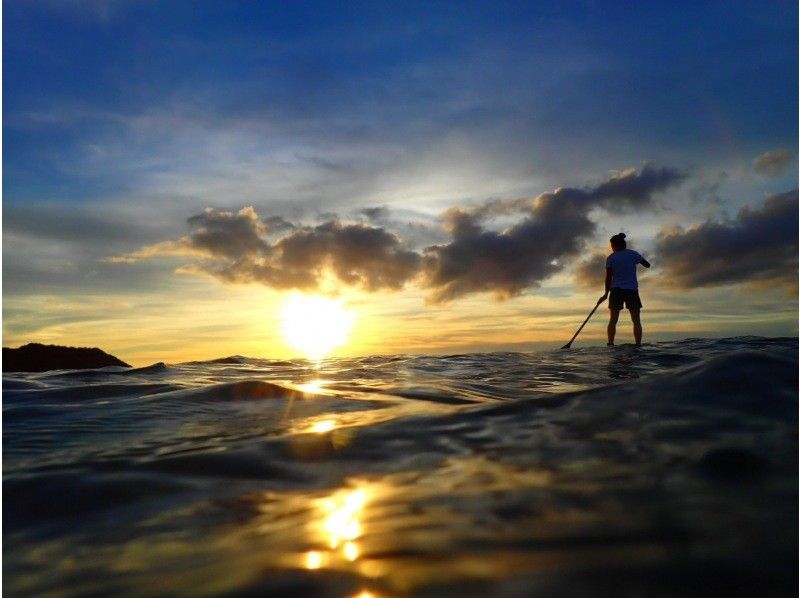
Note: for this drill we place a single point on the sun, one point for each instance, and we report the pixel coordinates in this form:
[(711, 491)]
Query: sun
[(315, 325)]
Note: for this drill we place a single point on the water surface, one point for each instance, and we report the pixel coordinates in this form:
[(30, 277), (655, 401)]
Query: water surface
[(666, 470)]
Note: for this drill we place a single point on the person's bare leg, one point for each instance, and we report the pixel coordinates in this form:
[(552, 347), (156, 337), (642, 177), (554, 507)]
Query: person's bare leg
[(612, 325), (637, 327)]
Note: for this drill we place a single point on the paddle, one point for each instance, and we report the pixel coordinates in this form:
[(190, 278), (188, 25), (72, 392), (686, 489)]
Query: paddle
[(599, 301)]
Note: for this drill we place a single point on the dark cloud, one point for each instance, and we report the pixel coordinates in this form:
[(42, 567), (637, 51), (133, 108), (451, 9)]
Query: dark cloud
[(760, 245), (503, 263), (632, 189), (232, 248), (228, 234), (375, 214), (591, 272), (276, 224), (625, 190), (357, 254), (545, 231), (553, 228), (773, 163)]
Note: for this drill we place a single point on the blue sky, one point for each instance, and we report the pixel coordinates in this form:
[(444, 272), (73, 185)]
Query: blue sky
[(123, 119), (630, 82)]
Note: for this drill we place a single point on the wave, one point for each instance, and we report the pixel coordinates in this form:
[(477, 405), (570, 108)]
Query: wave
[(243, 390), (497, 474), (69, 495), (247, 463), (746, 380), (88, 392), (155, 368), (230, 360)]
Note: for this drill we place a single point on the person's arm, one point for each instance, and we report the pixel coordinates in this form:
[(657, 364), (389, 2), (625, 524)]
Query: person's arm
[(645, 263)]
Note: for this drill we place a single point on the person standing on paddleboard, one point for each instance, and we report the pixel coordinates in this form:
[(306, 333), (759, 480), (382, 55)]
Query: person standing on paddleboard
[(624, 288)]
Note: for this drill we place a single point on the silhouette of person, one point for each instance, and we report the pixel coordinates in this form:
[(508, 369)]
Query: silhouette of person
[(624, 288)]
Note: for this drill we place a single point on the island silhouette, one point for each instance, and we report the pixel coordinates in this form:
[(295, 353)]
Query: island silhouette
[(36, 357)]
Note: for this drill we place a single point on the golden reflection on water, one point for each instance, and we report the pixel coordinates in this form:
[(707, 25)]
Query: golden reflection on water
[(338, 526), (323, 426), (312, 386), (359, 528), (350, 550), (341, 521), (313, 559)]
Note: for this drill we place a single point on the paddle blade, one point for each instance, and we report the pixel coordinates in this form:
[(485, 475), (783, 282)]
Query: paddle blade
[(566, 346)]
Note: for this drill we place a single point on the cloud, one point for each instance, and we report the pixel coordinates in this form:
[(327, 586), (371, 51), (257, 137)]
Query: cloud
[(773, 163), (375, 214), (358, 255), (544, 231), (632, 189), (502, 263), (591, 272), (228, 234), (554, 227), (760, 245), (217, 234), (417, 229), (232, 247)]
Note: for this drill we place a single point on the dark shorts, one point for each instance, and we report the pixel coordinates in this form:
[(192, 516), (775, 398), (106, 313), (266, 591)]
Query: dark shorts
[(626, 296)]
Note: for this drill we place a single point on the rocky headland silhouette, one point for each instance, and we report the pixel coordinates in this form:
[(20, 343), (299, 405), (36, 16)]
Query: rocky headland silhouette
[(36, 357)]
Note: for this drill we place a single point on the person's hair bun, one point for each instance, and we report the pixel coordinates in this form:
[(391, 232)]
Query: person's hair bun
[(618, 240)]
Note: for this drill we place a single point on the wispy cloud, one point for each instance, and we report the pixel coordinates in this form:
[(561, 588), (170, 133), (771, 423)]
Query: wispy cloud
[(773, 163)]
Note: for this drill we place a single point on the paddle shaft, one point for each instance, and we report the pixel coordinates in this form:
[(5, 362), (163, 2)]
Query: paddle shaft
[(582, 325)]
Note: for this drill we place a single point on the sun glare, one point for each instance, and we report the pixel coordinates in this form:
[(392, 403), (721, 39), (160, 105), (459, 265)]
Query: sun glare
[(315, 325)]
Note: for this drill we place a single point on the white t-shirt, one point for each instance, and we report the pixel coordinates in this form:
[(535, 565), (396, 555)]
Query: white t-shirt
[(623, 269)]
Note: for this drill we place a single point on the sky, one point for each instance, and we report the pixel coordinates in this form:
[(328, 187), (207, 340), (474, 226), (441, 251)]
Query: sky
[(174, 172)]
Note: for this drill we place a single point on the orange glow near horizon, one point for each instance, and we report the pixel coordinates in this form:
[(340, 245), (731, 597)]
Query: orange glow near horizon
[(202, 320)]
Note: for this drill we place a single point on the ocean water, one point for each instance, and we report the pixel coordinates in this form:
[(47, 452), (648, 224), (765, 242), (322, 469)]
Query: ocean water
[(669, 470)]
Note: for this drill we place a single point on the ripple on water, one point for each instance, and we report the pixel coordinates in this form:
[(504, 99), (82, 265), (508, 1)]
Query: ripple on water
[(670, 469)]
